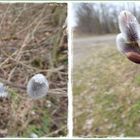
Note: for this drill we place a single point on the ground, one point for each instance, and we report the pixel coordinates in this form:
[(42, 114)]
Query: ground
[(106, 89), (33, 40)]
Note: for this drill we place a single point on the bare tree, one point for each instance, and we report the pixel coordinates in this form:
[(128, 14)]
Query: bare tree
[(101, 18)]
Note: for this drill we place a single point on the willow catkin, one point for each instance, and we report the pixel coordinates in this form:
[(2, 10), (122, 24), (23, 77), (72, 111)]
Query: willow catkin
[(128, 40), (129, 26), (3, 91), (37, 86)]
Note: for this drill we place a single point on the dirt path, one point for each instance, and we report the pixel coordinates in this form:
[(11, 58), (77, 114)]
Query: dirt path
[(82, 47)]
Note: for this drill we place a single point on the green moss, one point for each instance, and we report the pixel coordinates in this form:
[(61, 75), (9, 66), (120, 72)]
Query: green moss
[(41, 129), (37, 63), (134, 114), (137, 79), (15, 98)]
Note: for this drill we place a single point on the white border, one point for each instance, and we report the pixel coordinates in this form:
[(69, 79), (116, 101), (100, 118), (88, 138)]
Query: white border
[(70, 97), (70, 67)]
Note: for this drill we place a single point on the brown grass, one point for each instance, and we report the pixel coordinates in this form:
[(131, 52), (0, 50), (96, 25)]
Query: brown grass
[(33, 40), (106, 89)]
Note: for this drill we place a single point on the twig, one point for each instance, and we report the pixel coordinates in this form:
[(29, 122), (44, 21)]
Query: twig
[(12, 84), (31, 24), (4, 15), (26, 40), (61, 92), (11, 73), (53, 70), (21, 11), (56, 132)]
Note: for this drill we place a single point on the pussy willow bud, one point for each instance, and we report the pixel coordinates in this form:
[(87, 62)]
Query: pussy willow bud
[(37, 86), (128, 40), (129, 26), (3, 91)]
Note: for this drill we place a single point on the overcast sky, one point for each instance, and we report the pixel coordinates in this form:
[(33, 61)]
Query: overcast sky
[(75, 4)]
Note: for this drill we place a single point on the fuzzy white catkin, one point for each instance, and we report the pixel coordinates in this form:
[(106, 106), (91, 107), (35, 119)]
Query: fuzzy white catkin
[(37, 86), (120, 43), (129, 26), (33, 135), (3, 92)]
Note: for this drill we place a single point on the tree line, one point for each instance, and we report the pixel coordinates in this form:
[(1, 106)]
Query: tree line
[(101, 18)]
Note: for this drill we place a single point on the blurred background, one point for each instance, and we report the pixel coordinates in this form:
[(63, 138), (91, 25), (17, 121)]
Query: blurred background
[(106, 85), (100, 18), (33, 39)]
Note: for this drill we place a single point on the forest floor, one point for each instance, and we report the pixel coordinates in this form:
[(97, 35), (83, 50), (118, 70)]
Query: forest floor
[(33, 40), (106, 89)]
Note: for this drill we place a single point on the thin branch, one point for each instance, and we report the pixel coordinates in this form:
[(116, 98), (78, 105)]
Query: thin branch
[(61, 92), (8, 7), (56, 131)]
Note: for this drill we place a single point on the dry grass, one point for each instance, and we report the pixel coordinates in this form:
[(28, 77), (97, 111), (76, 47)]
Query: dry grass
[(106, 93), (33, 40)]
